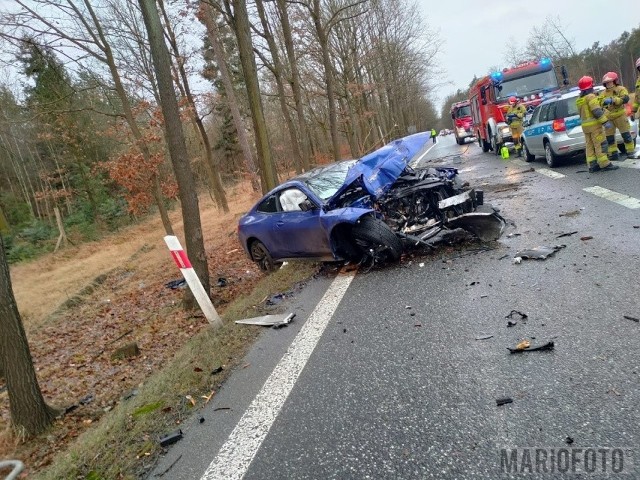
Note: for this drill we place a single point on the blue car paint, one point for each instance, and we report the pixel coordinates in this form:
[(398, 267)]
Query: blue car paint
[(308, 234), (548, 128)]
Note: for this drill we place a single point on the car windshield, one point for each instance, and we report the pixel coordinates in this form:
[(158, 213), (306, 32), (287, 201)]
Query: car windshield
[(527, 85), (326, 182), (463, 111)]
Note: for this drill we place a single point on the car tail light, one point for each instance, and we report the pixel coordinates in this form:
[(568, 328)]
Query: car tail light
[(559, 126)]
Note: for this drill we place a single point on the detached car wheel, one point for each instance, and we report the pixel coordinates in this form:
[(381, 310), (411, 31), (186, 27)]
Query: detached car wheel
[(260, 254), (550, 156), (375, 238)]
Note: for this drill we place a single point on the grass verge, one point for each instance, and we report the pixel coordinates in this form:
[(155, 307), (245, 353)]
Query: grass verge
[(124, 443)]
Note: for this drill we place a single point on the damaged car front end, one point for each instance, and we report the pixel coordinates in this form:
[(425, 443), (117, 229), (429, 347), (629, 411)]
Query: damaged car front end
[(371, 209)]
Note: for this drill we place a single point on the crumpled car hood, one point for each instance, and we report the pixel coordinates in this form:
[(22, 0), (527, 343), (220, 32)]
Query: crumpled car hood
[(378, 171)]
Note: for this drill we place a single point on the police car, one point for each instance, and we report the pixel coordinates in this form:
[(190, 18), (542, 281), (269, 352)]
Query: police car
[(554, 130)]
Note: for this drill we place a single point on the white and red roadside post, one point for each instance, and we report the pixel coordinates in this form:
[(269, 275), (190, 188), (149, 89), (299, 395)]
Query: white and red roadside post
[(181, 259)]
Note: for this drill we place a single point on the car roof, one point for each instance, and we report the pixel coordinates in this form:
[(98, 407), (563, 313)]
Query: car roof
[(564, 94)]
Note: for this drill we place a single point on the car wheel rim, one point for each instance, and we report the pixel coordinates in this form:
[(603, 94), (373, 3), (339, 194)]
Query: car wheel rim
[(259, 255), (547, 154)]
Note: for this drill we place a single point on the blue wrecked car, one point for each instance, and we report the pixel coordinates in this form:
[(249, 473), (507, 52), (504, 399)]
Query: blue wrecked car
[(369, 209)]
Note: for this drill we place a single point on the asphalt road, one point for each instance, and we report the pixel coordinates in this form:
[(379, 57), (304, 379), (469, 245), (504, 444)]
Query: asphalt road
[(396, 392)]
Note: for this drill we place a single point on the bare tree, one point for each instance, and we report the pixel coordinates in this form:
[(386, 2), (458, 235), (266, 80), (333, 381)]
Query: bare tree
[(176, 143), (207, 16), (30, 414), (549, 40), (89, 37)]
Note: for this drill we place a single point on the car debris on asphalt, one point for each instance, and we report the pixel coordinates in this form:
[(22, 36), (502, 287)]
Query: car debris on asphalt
[(538, 253), (484, 337), (171, 438), (274, 321), (633, 319), (568, 234), (503, 401), (539, 348)]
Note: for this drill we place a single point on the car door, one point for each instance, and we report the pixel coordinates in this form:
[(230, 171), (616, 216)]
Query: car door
[(298, 233), (533, 133)]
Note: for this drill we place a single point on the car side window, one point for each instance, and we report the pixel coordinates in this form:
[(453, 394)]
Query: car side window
[(290, 200), (268, 205), (534, 116), (544, 113)]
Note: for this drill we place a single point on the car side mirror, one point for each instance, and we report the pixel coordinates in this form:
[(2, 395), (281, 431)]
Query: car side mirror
[(307, 205)]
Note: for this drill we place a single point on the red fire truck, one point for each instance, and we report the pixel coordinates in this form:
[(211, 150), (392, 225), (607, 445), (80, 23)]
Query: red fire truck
[(489, 98), (462, 121)]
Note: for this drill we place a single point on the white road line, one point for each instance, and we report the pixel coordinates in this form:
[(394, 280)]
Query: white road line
[(550, 173), (619, 198), (235, 456), (419, 159)]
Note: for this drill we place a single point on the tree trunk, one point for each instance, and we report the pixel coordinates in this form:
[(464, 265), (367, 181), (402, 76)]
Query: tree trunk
[(232, 101), (177, 145), (268, 173), (30, 414), (303, 130), (277, 73), (323, 40), (214, 173), (128, 113)]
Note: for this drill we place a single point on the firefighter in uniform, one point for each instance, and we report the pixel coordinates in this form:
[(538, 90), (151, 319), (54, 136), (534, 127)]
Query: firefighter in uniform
[(613, 99), (636, 101), (515, 116), (593, 118)]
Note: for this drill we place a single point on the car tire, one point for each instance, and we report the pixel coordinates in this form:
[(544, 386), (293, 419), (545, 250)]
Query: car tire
[(261, 255), (495, 146), (372, 233), (482, 144), (459, 141), (527, 154), (552, 159)]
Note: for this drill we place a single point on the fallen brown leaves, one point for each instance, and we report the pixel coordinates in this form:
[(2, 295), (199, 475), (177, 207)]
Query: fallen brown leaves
[(72, 350)]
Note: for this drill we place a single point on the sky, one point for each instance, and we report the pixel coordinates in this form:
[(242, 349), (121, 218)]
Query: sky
[(476, 33)]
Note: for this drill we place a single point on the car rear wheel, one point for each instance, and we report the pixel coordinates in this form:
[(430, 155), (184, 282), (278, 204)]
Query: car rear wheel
[(549, 155), (527, 154), (260, 254), (376, 239)]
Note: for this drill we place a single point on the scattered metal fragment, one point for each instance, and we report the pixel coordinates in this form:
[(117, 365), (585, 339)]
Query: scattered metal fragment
[(569, 440), (568, 234), (539, 253), (633, 319), (572, 213), (221, 408), (546, 346), (269, 320), (503, 401), (523, 316), (171, 438), (588, 237), (484, 337)]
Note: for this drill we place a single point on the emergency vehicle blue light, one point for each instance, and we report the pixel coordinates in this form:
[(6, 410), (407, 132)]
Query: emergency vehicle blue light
[(496, 76), (545, 61)]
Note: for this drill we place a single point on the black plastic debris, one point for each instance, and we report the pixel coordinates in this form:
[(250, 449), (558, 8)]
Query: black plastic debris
[(540, 348), (175, 284), (503, 401), (484, 337), (568, 234), (539, 253), (216, 370), (568, 440), (523, 316), (222, 282), (633, 319), (171, 438), (276, 299), (201, 419), (511, 324)]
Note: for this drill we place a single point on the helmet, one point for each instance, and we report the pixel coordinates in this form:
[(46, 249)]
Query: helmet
[(513, 100), (610, 77), (638, 63), (585, 83)]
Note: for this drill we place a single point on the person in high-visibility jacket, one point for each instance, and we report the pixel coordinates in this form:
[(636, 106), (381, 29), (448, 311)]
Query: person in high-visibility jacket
[(433, 135), (636, 101), (593, 118), (515, 117), (613, 99)]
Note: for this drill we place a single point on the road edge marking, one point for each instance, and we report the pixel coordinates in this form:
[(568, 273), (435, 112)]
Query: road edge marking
[(237, 453), (619, 198)]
